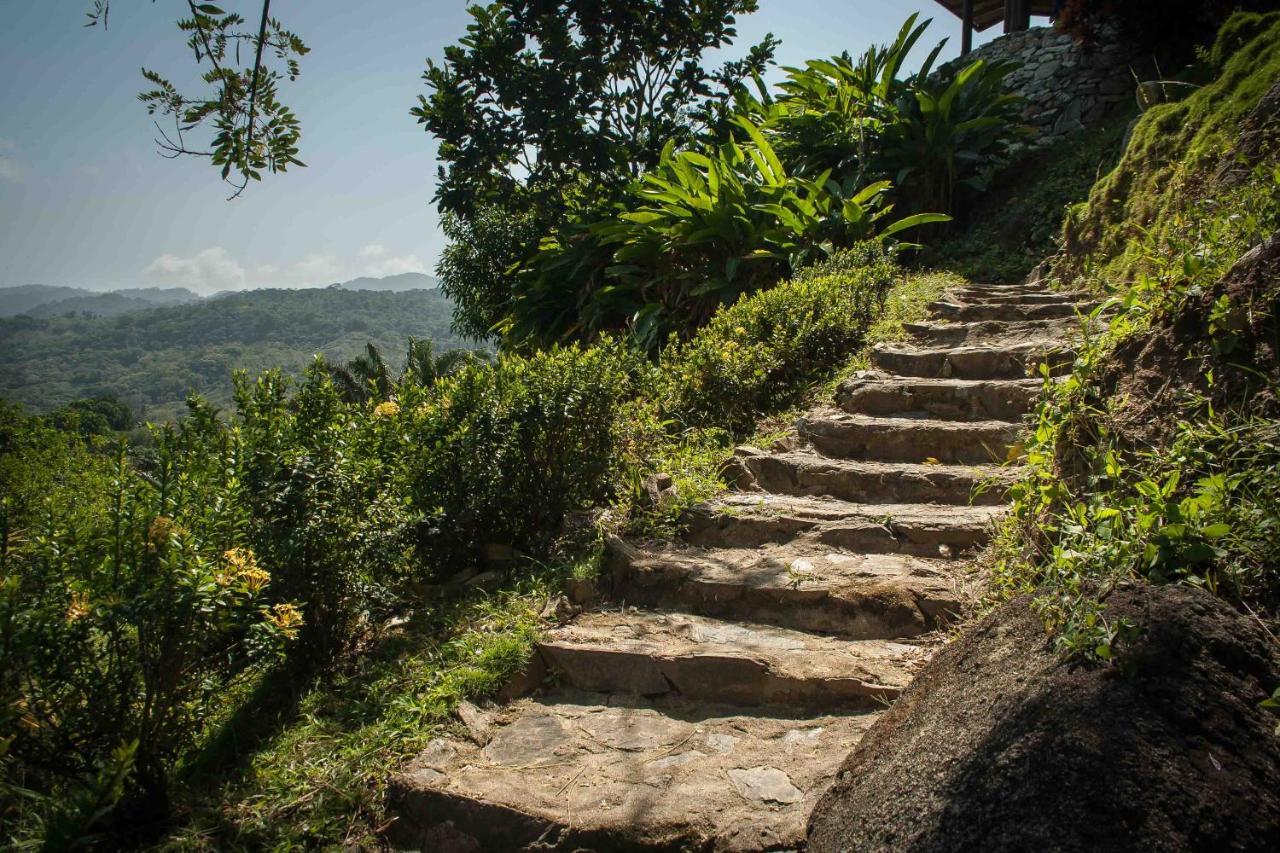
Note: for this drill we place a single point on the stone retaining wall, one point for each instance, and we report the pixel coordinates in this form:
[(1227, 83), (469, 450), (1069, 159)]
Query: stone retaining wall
[(1066, 86)]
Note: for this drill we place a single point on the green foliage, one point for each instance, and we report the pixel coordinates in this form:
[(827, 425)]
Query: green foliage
[(929, 134), (318, 499), (702, 229), (475, 269), (760, 354), (151, 360), (103, 416), (955, 133), (545, 107), (501, 454), (252, 131), (128, 606)]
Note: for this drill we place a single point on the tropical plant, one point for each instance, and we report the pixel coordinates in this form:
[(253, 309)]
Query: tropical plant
[(927, 132), (830, 113), (702, 229), (952, 132)]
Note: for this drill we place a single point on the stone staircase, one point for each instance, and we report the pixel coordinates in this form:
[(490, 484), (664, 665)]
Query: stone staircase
[(709, 704)]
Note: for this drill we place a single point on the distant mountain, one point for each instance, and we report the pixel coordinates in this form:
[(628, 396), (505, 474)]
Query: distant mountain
[(116, 302), (41, 300), (393, 283), (20, 300), (151, 359)]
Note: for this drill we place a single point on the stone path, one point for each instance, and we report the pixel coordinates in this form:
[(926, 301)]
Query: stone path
[(709, 702)]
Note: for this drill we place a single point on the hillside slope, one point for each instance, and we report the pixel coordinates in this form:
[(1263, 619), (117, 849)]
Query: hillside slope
[(152, 359)]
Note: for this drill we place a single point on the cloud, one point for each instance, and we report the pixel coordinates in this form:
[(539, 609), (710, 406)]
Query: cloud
[(215, 269), (378, 262), (207, 271), (10, 167)]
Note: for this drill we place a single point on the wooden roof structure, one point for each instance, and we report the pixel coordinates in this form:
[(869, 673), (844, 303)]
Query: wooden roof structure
[(982, 14)]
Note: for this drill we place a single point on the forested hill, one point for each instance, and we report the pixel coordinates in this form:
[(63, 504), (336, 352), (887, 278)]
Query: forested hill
[(152, 359)]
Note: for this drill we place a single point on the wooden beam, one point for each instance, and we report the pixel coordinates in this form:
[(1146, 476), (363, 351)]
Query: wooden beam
[(966, 27)]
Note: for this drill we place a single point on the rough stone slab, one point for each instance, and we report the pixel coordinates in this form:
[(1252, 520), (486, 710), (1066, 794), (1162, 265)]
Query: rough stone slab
[(806, 587), (737, 663), (952, 399), (1007, 361), (802, 473), (963, 312), (925, 530), (991, 332), (898, 439), (622, 776), (1024, 298)]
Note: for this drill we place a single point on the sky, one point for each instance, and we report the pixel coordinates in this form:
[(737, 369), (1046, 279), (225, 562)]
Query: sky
[(86, 200)]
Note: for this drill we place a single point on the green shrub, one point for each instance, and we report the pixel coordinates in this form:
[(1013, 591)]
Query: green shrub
[(701, 229), (500, 454), (320, 501), (760, 354), (129, 605), (930, 134)]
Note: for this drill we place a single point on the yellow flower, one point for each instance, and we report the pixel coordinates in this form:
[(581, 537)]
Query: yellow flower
[(387, 409), (243, 565), (162, 527), (255, 579), (78, 608), (287, 618)]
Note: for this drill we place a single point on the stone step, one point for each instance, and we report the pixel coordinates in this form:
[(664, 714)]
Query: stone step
[(1006, 287), (751, 520), (896, 439), (808, 588), (803, 474), (581, 771), (873, 393), (1009, 361), (650, 653), (1023, 298), (992, 331), (965, 312)]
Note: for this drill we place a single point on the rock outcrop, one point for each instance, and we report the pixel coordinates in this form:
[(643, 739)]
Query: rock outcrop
[(1000, 746)]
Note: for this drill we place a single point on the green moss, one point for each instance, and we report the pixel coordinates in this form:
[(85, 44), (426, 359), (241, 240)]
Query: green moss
[(1174, 148)]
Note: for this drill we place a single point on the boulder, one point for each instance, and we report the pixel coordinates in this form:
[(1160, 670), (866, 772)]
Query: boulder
[(1001, 746)]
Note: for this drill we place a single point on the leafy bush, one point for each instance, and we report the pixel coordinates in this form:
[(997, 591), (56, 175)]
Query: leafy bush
[(760, 354), (319, 502), (129, 605), (704, 228), (927, 133), (500, 454)]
